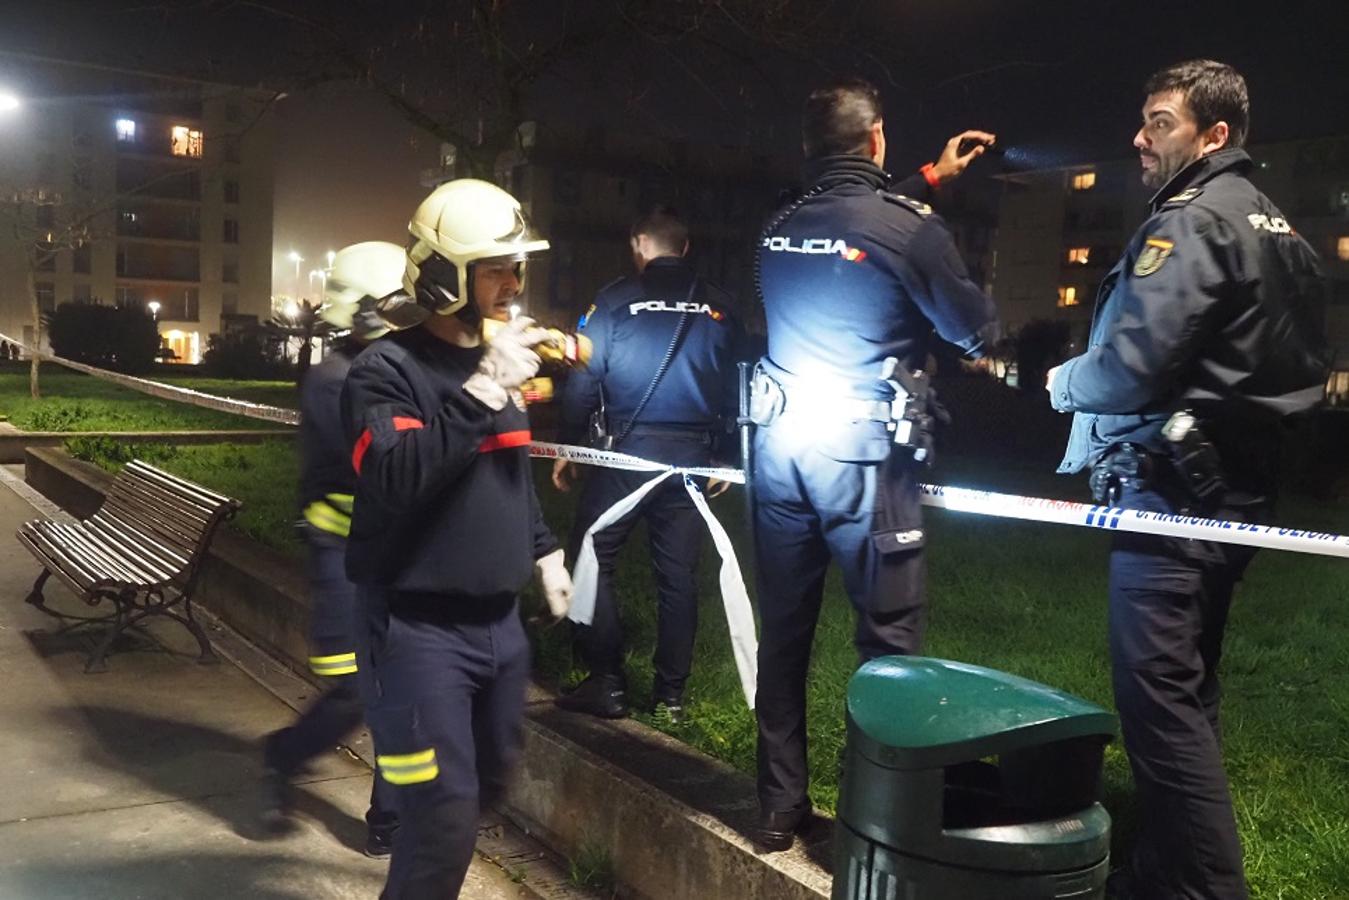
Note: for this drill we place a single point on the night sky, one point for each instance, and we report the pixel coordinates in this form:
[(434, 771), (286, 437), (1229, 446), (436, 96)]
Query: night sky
[(1060, 81)]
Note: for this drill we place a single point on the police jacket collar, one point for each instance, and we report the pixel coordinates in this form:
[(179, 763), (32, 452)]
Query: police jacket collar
[(830, 171), (1203, 169), (662, 262)]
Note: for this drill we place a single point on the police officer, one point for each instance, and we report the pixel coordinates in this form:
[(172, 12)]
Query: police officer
[(360, 275), (663, 371), (1206, 334), (854, 281), (446, 528)]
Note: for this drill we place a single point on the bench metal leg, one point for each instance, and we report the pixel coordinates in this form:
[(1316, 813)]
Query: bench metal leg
[(35, 595), (207, 655)]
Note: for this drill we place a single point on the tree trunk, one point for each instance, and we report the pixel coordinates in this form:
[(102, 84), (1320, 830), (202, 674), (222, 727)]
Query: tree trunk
[(33, 387)]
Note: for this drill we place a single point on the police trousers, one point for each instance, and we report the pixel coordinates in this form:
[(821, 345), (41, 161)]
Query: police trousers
[(449, 676), (675, 532), (1169, 600), (339, 709), (809, 509)]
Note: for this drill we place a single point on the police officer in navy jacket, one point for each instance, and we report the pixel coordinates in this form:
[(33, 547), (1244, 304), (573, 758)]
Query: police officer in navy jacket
[(663, 371), (1206, 335), (855, 281)]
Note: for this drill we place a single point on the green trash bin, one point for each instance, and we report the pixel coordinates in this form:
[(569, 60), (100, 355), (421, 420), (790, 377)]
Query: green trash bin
[(963, 783)]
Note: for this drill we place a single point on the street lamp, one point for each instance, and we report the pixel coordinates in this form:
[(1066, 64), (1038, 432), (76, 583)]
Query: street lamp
[(291, 310), (297, 259), (153, 306), (331, 255), (322, 276)]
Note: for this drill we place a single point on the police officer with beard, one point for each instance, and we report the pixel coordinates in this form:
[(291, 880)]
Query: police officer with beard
[(1206, 335), (854, 281), (663, 375)]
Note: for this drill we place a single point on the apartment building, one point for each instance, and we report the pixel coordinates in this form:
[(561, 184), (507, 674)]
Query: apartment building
[(153, 191)]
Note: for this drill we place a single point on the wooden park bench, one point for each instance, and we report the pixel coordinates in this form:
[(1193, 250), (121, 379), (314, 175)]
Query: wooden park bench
[(142, 551)]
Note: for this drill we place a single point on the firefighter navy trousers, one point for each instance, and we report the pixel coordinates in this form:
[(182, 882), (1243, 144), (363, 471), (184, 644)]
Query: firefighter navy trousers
[(449, 676)]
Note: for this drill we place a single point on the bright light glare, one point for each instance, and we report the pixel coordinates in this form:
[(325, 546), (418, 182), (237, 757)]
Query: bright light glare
[(9, 102), (294, 257), (515, 310), (291, 309)]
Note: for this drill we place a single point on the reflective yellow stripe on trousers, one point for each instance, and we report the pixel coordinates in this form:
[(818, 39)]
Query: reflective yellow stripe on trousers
[(409, 768), (338, 664)]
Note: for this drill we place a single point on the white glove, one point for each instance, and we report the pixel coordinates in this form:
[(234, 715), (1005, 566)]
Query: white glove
[(555, 582), (508, 363)]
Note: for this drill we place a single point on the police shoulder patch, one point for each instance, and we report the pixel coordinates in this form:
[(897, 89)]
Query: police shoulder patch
[(1184, 197), (1154, 253), (908, 203)]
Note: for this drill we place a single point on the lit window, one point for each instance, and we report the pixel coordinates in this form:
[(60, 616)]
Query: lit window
[(1079, 255), (1084, 181), (1342, 248), (185, 141), (1068, 296), (126, 130)]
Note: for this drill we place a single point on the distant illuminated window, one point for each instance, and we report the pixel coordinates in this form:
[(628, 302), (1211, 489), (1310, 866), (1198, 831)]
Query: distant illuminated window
[(1084, 181), (1079, 255), (126, 131), (1068, 297), (1342, 248), (185, 141)]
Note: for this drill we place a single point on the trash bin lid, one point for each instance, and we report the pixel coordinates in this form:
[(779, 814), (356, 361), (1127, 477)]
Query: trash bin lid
[(918, 712)]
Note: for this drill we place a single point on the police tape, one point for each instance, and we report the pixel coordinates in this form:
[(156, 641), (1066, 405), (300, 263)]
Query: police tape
[(169, 391), (1032, 509)]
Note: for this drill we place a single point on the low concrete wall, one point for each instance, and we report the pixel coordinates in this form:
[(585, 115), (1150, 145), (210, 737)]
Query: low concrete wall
[(13, 444), (670, 818)]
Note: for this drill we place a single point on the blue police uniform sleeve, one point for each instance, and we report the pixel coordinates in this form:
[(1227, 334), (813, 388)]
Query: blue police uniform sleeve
[(581, 396), (401, 460), (960, 312), (913, 186), (1167, 300)]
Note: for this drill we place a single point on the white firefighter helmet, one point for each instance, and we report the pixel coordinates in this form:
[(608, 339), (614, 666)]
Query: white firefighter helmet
[(361, 275), (460, 223)]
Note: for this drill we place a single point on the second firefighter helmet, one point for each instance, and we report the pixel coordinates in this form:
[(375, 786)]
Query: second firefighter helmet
[(461, 223), (361, 276)]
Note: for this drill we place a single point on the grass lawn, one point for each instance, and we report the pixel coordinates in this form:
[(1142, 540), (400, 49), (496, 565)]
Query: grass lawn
[(1025, 598), (1031, 599), (73, 401)]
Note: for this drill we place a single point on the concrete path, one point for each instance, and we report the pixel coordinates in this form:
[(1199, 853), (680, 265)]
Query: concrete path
[(141, 782)]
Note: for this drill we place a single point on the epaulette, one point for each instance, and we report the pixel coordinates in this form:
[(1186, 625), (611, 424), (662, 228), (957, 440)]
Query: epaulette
[(908, 203), (1183, 197)]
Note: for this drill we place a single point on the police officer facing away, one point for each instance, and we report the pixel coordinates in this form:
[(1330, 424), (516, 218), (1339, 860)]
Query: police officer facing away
[(663, 373), (360, 275), (446, 528), (854, 281), (1206, 334)]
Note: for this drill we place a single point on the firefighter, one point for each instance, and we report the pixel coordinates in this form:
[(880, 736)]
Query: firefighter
[(360, 275), (446, 528)]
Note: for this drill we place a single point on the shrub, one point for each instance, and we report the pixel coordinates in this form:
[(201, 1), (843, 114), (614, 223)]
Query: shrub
[(122, 338), (243, 354)]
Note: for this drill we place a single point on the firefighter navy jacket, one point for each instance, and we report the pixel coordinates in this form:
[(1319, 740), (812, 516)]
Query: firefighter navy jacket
[(856, 274), (445, 499), (1216, 306), (323, 443)]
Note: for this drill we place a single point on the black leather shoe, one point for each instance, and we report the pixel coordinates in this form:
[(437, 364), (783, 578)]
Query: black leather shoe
[(599, 695), (668, 709), (379, 842), (276, 804), (776, 827)]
